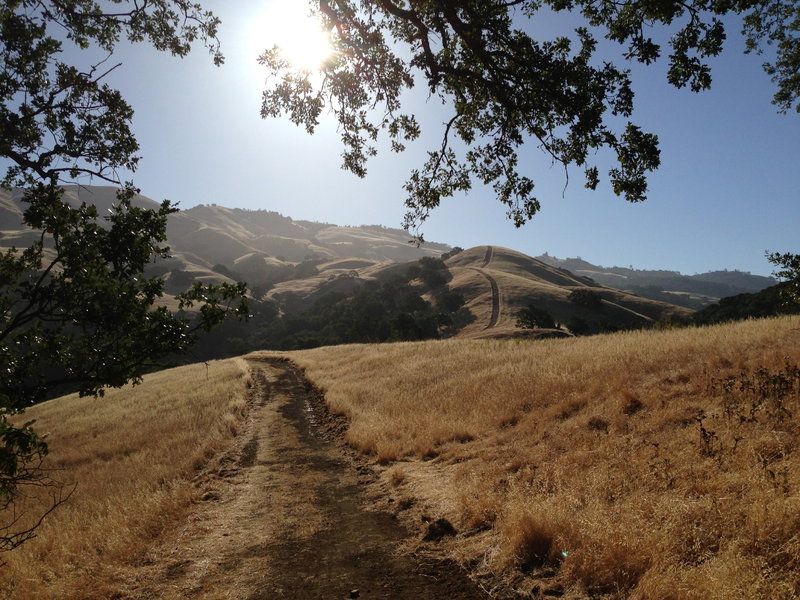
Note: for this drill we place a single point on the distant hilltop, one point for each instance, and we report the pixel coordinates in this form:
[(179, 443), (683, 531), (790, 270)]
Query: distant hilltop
[(211, 242), (691, 291)]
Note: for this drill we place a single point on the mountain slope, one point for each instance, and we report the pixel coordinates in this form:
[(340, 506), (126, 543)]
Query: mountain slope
[(199, 228), (205, 236), (296, 263)]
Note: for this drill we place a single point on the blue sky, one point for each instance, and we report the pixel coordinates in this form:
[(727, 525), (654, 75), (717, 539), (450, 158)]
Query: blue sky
[(728, 188)]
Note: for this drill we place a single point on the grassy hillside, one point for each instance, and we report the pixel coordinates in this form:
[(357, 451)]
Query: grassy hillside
[(646, 465), (657, 465), (476, 293), (503, 281), (205, 236), (294, 264), (128, 460)]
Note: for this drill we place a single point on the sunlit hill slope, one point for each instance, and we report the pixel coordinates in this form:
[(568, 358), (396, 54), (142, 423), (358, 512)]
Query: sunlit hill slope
[(254, 243), (498, 282)]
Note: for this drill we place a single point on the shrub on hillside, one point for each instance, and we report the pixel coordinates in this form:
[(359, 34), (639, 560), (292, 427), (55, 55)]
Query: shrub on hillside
[(532, 317), (433, 272), (450, 301), (586, 298), (579, 326), (452, 252)]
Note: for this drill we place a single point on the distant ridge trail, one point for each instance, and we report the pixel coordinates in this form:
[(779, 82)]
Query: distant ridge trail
[(488, 257), (495, 298), (283, 517)]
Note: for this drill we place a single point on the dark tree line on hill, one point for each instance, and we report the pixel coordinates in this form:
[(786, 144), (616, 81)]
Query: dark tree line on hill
[(376, 311), (691, 291), (766, 303), (780, 299)]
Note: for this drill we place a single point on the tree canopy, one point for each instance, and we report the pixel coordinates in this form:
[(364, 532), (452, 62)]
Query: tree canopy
[(533, 317), (75, 307), (505, 89), (788, 270)]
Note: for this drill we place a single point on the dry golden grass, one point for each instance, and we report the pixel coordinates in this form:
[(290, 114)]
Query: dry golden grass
[(130, 456), (616, 466)]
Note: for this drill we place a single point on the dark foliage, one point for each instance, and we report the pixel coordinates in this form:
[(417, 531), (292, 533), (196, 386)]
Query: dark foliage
[(766, 303), (586, 298), (579, 326), (452, 252), (788, 266), (505, 88), (76, 309), (375, 312), (532, 317)]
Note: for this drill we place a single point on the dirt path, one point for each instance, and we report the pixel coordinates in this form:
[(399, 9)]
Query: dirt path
[(488, 256), (495, 297), (283, 517)]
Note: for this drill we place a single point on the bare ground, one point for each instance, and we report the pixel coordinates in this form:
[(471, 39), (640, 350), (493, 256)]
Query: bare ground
[(284, 516)]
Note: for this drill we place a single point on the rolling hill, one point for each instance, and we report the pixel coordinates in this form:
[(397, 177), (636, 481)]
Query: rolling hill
[(263, 248), (692, 291), (475, 293), (498, 282), (258, 243), (294, 264)]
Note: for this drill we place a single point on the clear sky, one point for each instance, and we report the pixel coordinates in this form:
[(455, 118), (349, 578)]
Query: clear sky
[(727, 191)]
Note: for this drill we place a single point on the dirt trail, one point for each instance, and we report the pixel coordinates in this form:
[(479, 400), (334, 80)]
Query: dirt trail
[(495, 300), (487, 258), (493, 285), (283, 517)]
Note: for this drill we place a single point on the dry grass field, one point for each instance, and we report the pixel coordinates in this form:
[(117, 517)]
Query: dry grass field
[(130, 457), (646, 465)]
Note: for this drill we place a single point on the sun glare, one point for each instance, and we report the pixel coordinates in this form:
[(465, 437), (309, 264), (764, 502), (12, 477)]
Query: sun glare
[(287, 24)]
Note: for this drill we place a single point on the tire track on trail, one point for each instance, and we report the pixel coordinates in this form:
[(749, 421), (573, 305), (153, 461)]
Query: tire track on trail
[(284, 517), (493, 285), (488, 257)]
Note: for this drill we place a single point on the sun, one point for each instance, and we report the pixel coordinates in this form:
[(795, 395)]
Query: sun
[(301, 38)]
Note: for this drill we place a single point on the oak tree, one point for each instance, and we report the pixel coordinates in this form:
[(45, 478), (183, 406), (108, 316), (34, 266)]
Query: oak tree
[(787, 266), (506, 89), (533, 317), (76, 310)]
